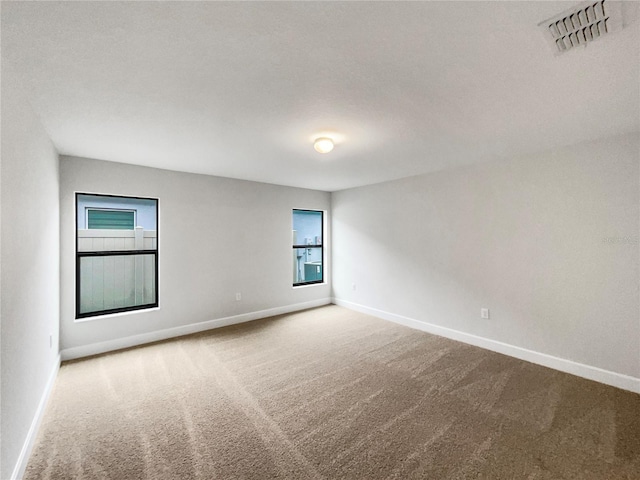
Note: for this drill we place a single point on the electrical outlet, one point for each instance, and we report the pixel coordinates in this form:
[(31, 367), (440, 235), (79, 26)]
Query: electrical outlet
[(238, 297), (51, 340), (484, 313), (353, 287)]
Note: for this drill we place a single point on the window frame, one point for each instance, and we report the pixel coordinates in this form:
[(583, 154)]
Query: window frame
[(107, 253), (321, 246)]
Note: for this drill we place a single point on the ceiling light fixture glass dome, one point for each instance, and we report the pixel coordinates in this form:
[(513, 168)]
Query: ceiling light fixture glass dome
[(323, 145)]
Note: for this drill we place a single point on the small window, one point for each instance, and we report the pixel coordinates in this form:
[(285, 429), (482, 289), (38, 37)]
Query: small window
[(308, 250), (104, 219), (116, 254)]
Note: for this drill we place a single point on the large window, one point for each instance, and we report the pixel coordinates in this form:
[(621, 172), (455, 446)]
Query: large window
[(116, 254), (308, 250)]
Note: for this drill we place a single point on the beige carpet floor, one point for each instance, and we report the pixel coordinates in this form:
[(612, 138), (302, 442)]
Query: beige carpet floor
[(330, 394)]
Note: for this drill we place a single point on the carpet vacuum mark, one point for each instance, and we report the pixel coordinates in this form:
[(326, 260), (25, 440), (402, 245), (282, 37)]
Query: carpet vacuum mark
[(329, 393)]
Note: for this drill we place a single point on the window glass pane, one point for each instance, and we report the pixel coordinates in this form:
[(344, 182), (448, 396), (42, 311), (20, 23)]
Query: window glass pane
[(144, 208), (117, 281), (116, 223), (307, 246), (308, 227)]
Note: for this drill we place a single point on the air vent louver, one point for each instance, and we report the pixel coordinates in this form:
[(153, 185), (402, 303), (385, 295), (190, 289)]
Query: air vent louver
[(582, 24)]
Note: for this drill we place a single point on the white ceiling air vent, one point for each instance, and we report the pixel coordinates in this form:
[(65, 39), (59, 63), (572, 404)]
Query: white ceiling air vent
[(582, 24)]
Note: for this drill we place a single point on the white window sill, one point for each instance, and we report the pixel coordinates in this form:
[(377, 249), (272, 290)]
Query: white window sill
[(114, 315), (295, 287)]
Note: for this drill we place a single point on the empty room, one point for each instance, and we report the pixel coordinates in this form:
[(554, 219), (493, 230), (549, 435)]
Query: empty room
[(320, 240)]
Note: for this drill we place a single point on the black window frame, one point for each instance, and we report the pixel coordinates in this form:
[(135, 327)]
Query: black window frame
[(107, 253), (321, 246)]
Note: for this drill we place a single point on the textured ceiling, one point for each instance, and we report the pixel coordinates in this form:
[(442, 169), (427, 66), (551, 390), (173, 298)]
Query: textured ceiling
[(240, 89)]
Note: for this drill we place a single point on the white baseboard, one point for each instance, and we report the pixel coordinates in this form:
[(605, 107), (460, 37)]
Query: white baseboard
[(25, 452), (135, 340), (607, 377)]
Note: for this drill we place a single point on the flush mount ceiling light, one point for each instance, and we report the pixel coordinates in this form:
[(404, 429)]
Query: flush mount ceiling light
[(323, 145)]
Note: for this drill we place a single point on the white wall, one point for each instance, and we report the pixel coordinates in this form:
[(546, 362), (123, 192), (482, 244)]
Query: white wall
[(217, 236), (549, 243), (30, 269)]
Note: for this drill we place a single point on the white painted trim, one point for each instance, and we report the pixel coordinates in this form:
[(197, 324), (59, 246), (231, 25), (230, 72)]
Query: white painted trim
[(119, 314), (295, 287), (25, 452), (135, 340), (607, 377)]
